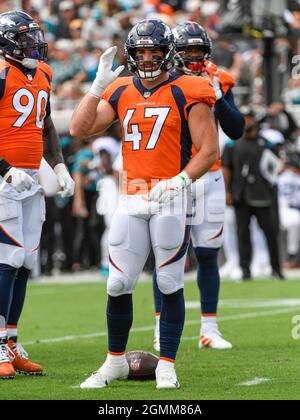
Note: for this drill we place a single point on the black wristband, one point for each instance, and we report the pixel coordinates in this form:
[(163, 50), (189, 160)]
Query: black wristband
[(4, 167)]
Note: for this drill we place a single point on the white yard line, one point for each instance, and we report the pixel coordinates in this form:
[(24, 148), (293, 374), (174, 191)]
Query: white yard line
[(249, 303), (151, 327), (85, 277), (255, 381)]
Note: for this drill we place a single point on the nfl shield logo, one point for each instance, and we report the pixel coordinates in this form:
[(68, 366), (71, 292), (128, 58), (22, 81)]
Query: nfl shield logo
[(29, 77), (147, 94), (135, 364)]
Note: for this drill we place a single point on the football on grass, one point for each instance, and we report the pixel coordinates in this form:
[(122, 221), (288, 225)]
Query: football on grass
[(142, 365)]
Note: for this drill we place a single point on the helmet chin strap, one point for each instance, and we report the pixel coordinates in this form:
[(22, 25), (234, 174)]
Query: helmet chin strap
[(29, 63), (149, 75)]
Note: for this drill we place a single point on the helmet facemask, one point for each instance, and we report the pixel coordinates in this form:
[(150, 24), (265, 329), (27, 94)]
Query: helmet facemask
[(187, 60), (149, 70), (30, 48)]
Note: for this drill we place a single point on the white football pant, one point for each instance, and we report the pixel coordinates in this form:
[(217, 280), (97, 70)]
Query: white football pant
[(136, 226), (208, 195), (21, 220)]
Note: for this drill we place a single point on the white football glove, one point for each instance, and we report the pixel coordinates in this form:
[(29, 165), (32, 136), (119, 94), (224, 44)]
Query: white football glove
[(65, 181), (19, 179), (167, 189), (105, 75), (217, 88)]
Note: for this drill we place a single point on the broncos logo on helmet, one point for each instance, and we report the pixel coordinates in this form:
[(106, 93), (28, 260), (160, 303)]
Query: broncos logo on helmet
[(151, 33), (190, 38), (22, 39)]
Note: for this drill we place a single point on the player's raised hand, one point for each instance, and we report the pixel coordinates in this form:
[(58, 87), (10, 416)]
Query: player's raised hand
[(18, 179), (105, 75), (168, 189), (65, 181)]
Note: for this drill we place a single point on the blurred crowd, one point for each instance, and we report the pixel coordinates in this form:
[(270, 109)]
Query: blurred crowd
[(79, 31)]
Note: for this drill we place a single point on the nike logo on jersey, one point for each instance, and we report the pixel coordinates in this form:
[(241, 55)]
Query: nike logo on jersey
[(217, 179)]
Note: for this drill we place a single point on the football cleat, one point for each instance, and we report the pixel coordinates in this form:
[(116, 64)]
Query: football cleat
[(21, 363), (7, 370), (213, 339), (107, 373), (166, 378)]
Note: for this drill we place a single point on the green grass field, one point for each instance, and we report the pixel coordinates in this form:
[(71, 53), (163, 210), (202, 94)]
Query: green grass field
[(64, 327)]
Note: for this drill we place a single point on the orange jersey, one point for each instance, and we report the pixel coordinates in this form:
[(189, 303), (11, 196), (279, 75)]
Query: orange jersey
[(24, 95), (156, 141), (226, 82)]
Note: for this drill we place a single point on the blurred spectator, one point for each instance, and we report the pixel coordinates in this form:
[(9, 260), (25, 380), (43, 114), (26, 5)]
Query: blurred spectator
[(292, 93), (251, 194), (124, 20), (234, 15), (106, 150), (112, 7), (292, 16), (68, 95), (99, 28), (289, 206), (278, 118), (75, 27), (67, 13), (88, 226), (65, 65), (48, 239), (225, 54)]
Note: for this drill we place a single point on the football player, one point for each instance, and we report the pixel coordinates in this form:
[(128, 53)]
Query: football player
[(161, 116), (193, 49), (25, 125)]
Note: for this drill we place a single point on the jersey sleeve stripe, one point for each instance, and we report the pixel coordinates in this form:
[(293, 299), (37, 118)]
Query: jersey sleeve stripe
[(185, 138), (47, 75), (3, 76), (114, 99)]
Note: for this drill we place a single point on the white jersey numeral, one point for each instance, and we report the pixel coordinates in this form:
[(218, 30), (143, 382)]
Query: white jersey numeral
[(135, 136), (161, 114), (26, 109)]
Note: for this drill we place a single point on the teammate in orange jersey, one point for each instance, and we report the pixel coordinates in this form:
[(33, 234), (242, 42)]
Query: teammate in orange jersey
[(25, 124), (192, 52), (161, 116)]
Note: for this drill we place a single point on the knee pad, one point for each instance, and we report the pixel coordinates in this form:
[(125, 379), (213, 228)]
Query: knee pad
[(30, 260), (16, 257), (117, 285), (207, 237), (11, 255), (207, 256), (169, 283)]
